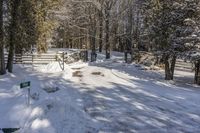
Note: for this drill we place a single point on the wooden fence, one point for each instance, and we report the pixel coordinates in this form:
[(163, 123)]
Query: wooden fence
[(43, 59), (30, 59)]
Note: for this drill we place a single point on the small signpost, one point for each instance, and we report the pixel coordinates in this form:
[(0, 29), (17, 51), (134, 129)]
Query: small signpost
[(27, 85)]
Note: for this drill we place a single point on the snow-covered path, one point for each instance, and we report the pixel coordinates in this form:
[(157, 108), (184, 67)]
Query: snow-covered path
[(135, 103), (59, 112), (105, 97)]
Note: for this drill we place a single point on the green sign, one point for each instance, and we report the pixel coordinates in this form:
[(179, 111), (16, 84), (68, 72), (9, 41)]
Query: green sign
[(25, 84)]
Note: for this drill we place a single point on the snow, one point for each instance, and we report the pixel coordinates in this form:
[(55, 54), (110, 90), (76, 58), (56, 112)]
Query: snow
[(54, 67), (109, 97)]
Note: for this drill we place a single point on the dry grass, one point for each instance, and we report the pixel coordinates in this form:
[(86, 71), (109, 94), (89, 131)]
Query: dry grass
[(155, 68), (77, 74), (97, 73), (162, 66), (51, 89), (77, 68)]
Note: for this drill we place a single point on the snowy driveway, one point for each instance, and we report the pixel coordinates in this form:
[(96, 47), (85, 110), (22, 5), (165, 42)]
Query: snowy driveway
[(126, 99), (99, 98)]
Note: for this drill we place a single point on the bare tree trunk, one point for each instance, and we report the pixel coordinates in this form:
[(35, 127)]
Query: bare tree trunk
[(115, 42), (126, 56), (70, 43), (100, 31), (2, 60), (169, 66), (197, 73), (137, 30), (107, 39), (127, 49), (167, 69), (93, 54), (130, 31), (173, 64), (121, 46), (108, 6), (93, 42), (13, 27)]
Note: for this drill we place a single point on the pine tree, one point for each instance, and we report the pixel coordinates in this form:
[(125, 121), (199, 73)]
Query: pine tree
[(25, 30), (13, 27), (175, 29)]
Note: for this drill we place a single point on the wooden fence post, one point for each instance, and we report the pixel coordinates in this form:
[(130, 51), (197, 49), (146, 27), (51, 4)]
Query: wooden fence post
[(57, 56), (32, 59), (63, 61), (21, 58)]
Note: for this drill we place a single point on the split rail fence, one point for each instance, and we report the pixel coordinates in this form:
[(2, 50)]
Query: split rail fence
[(46, 58), (30, 59)]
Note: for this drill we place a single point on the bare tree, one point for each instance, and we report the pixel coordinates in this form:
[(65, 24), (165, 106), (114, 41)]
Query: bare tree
[(108, 6)]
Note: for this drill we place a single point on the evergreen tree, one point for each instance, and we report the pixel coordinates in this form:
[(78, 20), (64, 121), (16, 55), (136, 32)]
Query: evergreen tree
[(13, 26), (171, 34)]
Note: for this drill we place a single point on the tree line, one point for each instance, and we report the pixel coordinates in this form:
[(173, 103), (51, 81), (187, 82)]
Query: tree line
[(169, 28), (24, 24)]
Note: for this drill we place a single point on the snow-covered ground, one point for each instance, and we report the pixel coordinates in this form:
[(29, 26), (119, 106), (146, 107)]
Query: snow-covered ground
[(108, 96)]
